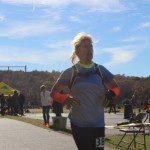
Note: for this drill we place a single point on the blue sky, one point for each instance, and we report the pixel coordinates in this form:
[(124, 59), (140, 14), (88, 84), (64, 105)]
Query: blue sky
[(38, 33)]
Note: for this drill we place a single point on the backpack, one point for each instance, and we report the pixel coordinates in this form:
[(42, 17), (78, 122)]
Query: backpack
[(75, 72), (108, 98)]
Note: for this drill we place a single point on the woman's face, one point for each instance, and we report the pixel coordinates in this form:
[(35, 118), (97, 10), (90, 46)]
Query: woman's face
[(85, 52)]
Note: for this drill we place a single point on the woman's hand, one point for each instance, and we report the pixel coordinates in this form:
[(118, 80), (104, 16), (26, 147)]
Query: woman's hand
[(71, 102)]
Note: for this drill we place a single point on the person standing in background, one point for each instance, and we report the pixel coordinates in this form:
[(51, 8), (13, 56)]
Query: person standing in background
[(46, 104), (21, 103), (15, 101), (57, 107), (2, 101), (10, 104), (134, 100), (113, 105)]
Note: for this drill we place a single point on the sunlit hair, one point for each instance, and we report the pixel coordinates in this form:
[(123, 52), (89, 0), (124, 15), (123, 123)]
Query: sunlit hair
[(42, 87), (77, 41)]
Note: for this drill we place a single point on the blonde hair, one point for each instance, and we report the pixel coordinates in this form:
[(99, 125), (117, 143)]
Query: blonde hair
[(42, 87), (76, 43)]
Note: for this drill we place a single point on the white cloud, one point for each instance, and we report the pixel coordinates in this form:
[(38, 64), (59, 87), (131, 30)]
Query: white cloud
[(25, 28), (99, 5), (54, 15), (133, 39), (37, 2), (20, 30), (35, 56), (63, 44), (60, 52), (104, 5), (2, 18), (144, 25), (120, 55), (75, 19), (116, 29), (13, 54)]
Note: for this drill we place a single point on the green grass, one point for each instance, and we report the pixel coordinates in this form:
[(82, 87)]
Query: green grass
[(112, 141), (35, 110), (40, 110)]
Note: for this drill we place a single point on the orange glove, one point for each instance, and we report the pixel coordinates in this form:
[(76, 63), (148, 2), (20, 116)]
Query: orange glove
[(60, 97), (116, 91)]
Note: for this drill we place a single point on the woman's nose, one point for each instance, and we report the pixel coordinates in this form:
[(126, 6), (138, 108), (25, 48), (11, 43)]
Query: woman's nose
[(90, 50)]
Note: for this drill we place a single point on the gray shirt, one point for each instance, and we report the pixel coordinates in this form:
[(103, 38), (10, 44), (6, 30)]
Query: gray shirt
[(89, 90)]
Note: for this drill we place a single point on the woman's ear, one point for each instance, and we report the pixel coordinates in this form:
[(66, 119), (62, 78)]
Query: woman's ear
[(77, 52)]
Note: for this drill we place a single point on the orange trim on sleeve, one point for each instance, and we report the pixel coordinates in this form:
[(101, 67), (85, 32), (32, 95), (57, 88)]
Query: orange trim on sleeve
[(116, 90), (60, 97)]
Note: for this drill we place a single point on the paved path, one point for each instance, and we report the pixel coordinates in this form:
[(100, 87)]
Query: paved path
[(17, 135)]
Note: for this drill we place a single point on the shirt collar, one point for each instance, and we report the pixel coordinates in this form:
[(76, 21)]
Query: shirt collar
[(86, 66)]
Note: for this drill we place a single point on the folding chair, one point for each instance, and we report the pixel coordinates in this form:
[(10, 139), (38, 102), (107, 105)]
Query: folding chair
[(135, 130)]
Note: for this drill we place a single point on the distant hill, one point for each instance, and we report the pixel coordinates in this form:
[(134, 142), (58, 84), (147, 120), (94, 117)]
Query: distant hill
[(29, 83)]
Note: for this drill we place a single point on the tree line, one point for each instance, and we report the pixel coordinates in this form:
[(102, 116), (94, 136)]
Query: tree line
[(29, 83)]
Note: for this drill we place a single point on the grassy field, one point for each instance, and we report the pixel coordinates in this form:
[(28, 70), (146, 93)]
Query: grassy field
[(111, 140), (40, 110)]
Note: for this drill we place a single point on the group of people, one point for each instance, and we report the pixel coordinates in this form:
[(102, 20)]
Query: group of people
[(144, 104), (12, 105), (87, 82)]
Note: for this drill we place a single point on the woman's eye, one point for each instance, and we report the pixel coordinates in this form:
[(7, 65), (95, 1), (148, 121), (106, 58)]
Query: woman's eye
[(88, 46)]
